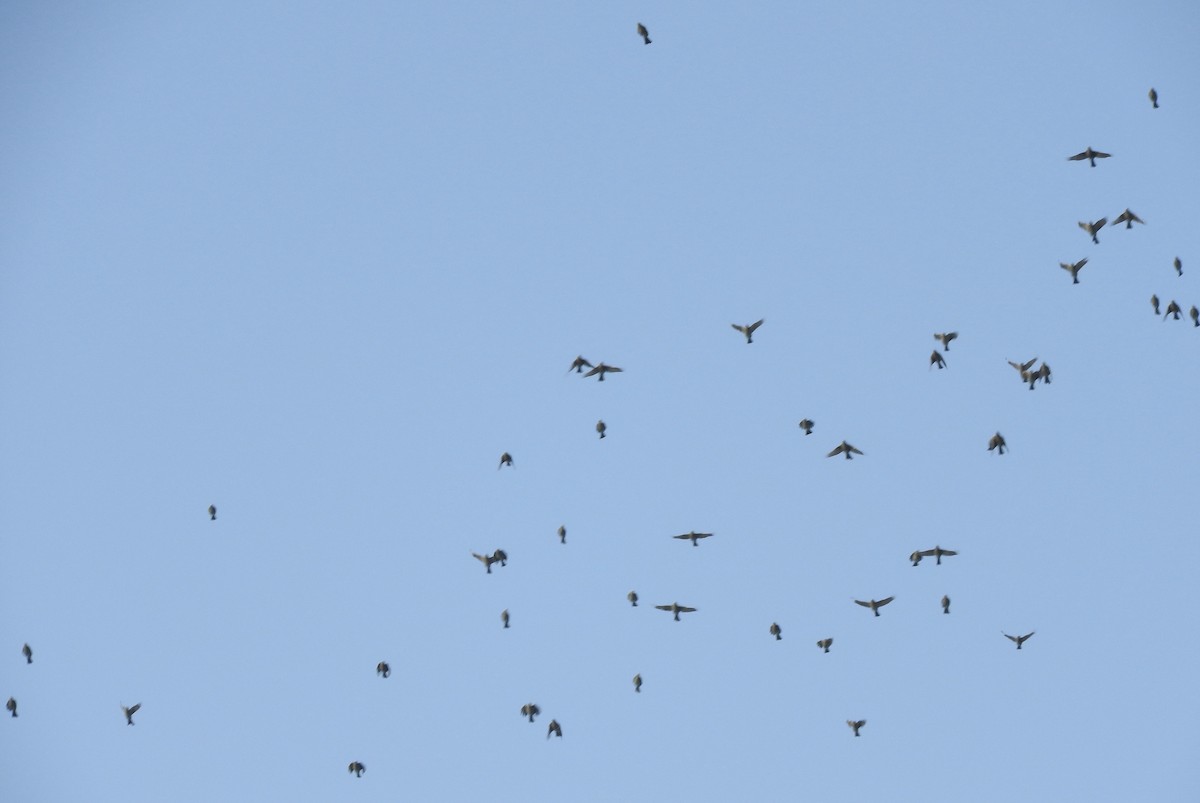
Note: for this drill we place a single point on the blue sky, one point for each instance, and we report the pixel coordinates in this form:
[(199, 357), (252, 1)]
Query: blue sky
[(320, 266)]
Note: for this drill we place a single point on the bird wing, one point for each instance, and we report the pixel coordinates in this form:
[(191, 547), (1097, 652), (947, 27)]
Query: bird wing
[(131, 710), (739, 327), (685, 535), (926, 553), (664, 607), (883, 602), (1010, 638), (682, 609), (851, 448), (613, 369), (595, 370), (1077, 157), (951, 335), (1099, 155), (483, 558), (949, 552), (1099, 224), (864, 604), (701, 535), (837, 450), (1023, 638), (756, 324)]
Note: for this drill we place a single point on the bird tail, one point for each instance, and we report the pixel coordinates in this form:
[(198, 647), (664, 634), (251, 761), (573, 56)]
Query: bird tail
[(778, 637), (29, 659)]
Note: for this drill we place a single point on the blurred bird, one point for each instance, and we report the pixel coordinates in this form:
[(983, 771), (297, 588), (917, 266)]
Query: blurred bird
[(874, 605), (632, 597), (1178, 266), (1093, 227), (855, 725), (936, 552), (1019, 640), (554, 728), (945, 337), (11, 705), (1153, 97), (28, 653), (945, 604), (1172, 309), (937, 359), (915, 557), (498, 556), (130, 711), (997, 442), (1154, 303), (505, 460), (383, 669), (562, 534), (530, 710), (693, 536), (600, 427), (1090, 155), (577, 365), (776, 631), (748, 329), (1022, 368), (1074, 268), (675, 608), (825, 644), (602, 369), (212, 512), (1195, 314), (504, 617), (1043, 373), (806, 424), (843, 448), (357, 768), (642, 32), (637, 683), (1128, 218)]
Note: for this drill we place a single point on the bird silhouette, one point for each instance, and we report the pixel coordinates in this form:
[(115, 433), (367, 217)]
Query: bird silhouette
[(1128, 218), (1154, 303), (806, 424), (637, 683), (28, 653), (874, 605), (997, 442), (530, 710), (1195, 315), (212, 512), (776, 631), (11, 705), (578, 364), (562, 534), (1074, 268), (748, 329), (554, 728), (825, 644), (675, 608), (1043, 373), (915, 557), (936, 552), (1090, 155), (505, 460), (1178, 266), (945, 604), (499, 556), (357, 767), (945, 337), (603, 369), (600, 427), (844, 448), (1093, 227), (642, 32), (1153, 97), (1019, 640), (1172, 309), (383, 670), (130, 711), (856, 724), (504, 617), (632, 597), (693, 536), (937, 359)]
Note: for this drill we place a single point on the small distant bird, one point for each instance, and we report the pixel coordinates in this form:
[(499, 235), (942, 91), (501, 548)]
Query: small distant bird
[(357, 767), (603, 369), (843, 448), (937, 359), (855, 725), (499, 556), (997, 442), (1090, 155), (1195, 314), (1093, 227), (1022, 368), (776, 631), (577, 365), (530, 710), (130, 711), (1172, 309), (28, 653), (1154, 303), (505, 460), (1128, 218), (1043, 373), (1153, 97), (936, 552), (600, 427), (1178, 266), (554, 728), (11, 705), (825, 644), (748, 329), (874, 605), (945, 337), (945, 604), (1019, 640), (212, 512), (383, 670), (637, 683), (642, 32), (504, 617), (675, 608), (915, 557), (693, 536), (1074, 268), (632, 597), (806, 424), (562, 534)]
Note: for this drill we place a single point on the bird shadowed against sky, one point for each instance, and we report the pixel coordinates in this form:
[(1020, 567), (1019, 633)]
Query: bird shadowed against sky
[(320, 266)]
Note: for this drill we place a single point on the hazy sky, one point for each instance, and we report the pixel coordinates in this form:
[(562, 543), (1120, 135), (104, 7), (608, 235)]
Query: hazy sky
[(320, 264)]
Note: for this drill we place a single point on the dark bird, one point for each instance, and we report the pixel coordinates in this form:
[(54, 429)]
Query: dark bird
[(562, 534), (1178, 266), (1043, 373), (28, 653), (577, 365), (357, 767), (874, 605), (825, 644), (1090, 155), (1153, 97), (1093, 228), (11, 705), (1128, 218), (843, 448), (915, 557), (505, 460), (1019, 640), (504, 617), (945, 337), (748, 329), (937, 359), (642, 32), (554, 728), (632, 597), (693, 536), (997, 442), (498, 556), (945, 604), (212, 512), (530, 710), (130, 711), (1074, 268), (776, 631), (501, 556), (600, 427), (1195, 314), (855, 725), (1172, 309), (383, 670), (602, 369), (806, 424), (637, 683), (936, 552), (1154, 303), (675, 608)]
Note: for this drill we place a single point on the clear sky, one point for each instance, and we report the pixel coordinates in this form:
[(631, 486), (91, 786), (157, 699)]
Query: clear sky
[(320, 264)]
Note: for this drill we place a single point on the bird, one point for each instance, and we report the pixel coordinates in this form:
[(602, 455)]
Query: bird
[(1172, 309), (554, 728), (675, 608), (945, 338), (874, 605), (600, 427), (383, 669), (637, 683), (11, 705), (1195, 315), (1074, 268), (693, 536), (915, 557), (1154, 303), (642, 32), (1022, 368), (997, 442), (498, 556), (130, 711), (945, 604), (577, 365), (1043, 373), (748, 329), (825, 644), (1128, 218), (1092, 228), (602, 369), (936, 552), (776, 631), (530, 710), (856, 724), (1153, 97), (504, 617), (937, 359), (28, 653), (562, 534), (357, 768), (1019, 640), (212, 512), (505, 460), (1090, 155), (1178, 266), (843, 448), (632, 597), (806, 424)]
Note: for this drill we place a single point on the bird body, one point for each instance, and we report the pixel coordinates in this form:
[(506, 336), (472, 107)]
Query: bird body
[(603, 369), (675, 608), (642, 32), (1093, 227), (945, 604), (874, 605), (505, 460), (1128, 218), (504, 617), (806, 424), (1090, 155), (997, 442), (212, 512), (937, 359), (825, 644), (945, 337), (530, 710), (748, 329), (130, 711), (562, 534), (856, 724), (637, 683), (554, 728), (693, 536), (1154, 303), (1173, 309), (776, 631), (357, 768), (1178, 266), (1153, 97), (632, 597), (844, 448), (28, 653), (11, 706), (936, 552), (1018, 640), (578, 364), (1074, 268), (1195, 315), (383, 669), (600, 427), (499, 556)]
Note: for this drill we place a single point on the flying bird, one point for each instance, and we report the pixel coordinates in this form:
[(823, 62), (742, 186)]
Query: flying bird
[(632, 597), (776, 631), (1043, 373), (602, 369), (637, 683), (212, 512), (693, 536), (1074, 268), (675, 608), (1019, 640), (1090, 155), (642, 32), (530, 710), (554, 728), (843, 448), (504, 617), (1195, 314), (936, 552), (505, 460), (11, 705), (997, 442), (856, 724), (945, 604), (1022, 367), (130, 711), (806, 424), (874, 605), (1153, 97), (825, 644), (382, 669), (357, 768), (945, 337), (600, 427), (1128, 218), (1172, 309), (499, 556), (1154, 303), (1093, 227), (1178, 266), (28, 653), (562, 534), (937, 359), (748, 329), (577, 365)]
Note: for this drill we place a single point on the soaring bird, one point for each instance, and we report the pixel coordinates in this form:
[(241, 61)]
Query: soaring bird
[(28, 653), (1128, 218), (1154, 303), (748, 329), (693, 536), (632, 597), (11, 705), (1153, 97), (675, 608), (776, 631), (504, 617), (642, 32), (937, 359), (1090, 155), (637, 683), (530, 710), (212, 512), (1172, 309), (600, 427), (382, 669), (945, 604), (945, 337), (856, 724), (357, 767), (130, 711), (874, 605), (1178, 266), (602, 369), (505, 460), (936, 552), (806, 424), (1074, 268), (1093, 227), (997, 442), (1019, 640), (843, 448), (825, 644), (577, 365), (1195, 314), (554, 728), (562, 534)]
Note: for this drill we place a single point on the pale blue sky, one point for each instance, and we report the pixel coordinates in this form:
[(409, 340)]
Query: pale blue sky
[(320, 265)]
